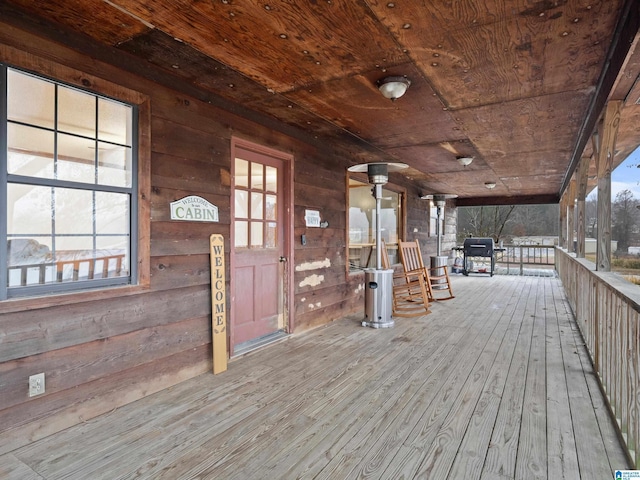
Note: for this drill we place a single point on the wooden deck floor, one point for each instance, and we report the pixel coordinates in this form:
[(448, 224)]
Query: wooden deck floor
[(494, 384)]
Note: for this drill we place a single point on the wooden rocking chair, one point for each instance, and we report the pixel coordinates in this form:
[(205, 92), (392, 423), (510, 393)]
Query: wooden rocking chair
[(410, 294), (434, 276)]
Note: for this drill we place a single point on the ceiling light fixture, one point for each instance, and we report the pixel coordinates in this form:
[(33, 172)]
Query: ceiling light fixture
[(393, 87), (464, 161), (490, 185)]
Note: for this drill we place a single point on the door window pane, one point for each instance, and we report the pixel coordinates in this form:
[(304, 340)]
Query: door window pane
[(256, 206), (271, 174), (255, 200), (241, 204), (271, 204), (272, 238), (256, 234), (241, 173), (241, 230), (257, 176)]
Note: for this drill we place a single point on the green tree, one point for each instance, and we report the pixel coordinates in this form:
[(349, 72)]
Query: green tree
[(624, 218)]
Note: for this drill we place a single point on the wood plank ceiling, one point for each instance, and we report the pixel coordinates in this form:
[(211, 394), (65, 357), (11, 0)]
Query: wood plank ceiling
[(511, 83)]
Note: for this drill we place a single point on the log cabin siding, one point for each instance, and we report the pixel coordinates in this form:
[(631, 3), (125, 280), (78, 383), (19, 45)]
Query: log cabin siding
[(101, 350)]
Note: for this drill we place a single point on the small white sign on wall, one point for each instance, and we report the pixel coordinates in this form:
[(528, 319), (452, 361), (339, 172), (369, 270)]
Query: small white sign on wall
[(194, 209), (312, 218)]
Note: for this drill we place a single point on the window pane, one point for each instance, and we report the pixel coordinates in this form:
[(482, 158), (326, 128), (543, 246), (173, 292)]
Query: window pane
[(241, 204), (30, 151), (272, 238), (114, 244), (29, 210), (256, 205), (76, 159), (241, 233), (242, 173), (29, 227), (114, 122), (272, 179), (257, 176), (30, 100), (74, 212), (112, 213), (76, 112), (73, 247), (361, 212), (114, 165), (256, 234), (389, 210), (362, 222), (271, 207)]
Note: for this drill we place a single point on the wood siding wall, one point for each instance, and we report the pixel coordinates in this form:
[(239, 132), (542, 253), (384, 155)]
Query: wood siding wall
[(102, 350), (607, 311)]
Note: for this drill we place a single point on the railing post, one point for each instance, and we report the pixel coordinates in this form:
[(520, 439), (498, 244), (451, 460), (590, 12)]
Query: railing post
[(521, 268)]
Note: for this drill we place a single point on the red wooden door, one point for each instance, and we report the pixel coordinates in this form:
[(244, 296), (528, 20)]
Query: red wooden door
[(258, 225)]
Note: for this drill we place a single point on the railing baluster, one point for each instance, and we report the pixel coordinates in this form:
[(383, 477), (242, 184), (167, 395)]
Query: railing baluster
[(608, 320)]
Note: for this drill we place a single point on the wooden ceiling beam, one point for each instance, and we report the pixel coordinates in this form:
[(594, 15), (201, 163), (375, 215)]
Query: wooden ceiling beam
[(507, 200)]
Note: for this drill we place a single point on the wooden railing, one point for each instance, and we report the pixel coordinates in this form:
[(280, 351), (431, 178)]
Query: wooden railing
[(68, 270), (607, 311), (519, 256)]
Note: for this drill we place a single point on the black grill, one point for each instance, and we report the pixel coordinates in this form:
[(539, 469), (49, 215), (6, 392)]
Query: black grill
[(479, 249)]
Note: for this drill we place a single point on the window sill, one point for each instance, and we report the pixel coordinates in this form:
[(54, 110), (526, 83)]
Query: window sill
[(24, 304)]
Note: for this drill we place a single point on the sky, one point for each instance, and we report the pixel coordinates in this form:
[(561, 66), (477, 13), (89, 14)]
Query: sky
[(627, 176)]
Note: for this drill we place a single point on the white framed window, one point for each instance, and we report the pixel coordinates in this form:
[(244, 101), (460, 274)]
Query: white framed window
[(68, 178)]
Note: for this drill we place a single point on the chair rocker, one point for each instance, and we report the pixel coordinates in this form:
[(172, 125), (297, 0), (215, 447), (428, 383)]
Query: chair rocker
[(410, 294), (411, 258)]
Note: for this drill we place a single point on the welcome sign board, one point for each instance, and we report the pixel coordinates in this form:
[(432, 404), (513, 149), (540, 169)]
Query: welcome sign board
[(194, 209)]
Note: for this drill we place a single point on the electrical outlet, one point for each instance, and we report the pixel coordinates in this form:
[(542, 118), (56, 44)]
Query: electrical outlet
[(36, 384)]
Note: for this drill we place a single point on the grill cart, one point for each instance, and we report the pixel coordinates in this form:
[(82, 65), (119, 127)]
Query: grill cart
[(479, 256)]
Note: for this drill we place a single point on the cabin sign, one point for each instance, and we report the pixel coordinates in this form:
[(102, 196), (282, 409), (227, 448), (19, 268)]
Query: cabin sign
[(194, 209)]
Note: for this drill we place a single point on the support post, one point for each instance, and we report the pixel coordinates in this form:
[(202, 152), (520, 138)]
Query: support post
[(571, 196), (582, 177), (608, 132), (562, 241)]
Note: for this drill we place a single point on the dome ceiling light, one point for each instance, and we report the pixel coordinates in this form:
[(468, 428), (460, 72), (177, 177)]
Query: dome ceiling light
[(393, 87)]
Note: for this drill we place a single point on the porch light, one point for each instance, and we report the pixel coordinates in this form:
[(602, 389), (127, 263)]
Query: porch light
[(490, 185), (393, 87), (464, 161)]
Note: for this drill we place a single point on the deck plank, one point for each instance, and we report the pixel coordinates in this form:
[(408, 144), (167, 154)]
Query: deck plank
[(494, 384), (531, 462), (475, 444), (561, 442), (500, 461)]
